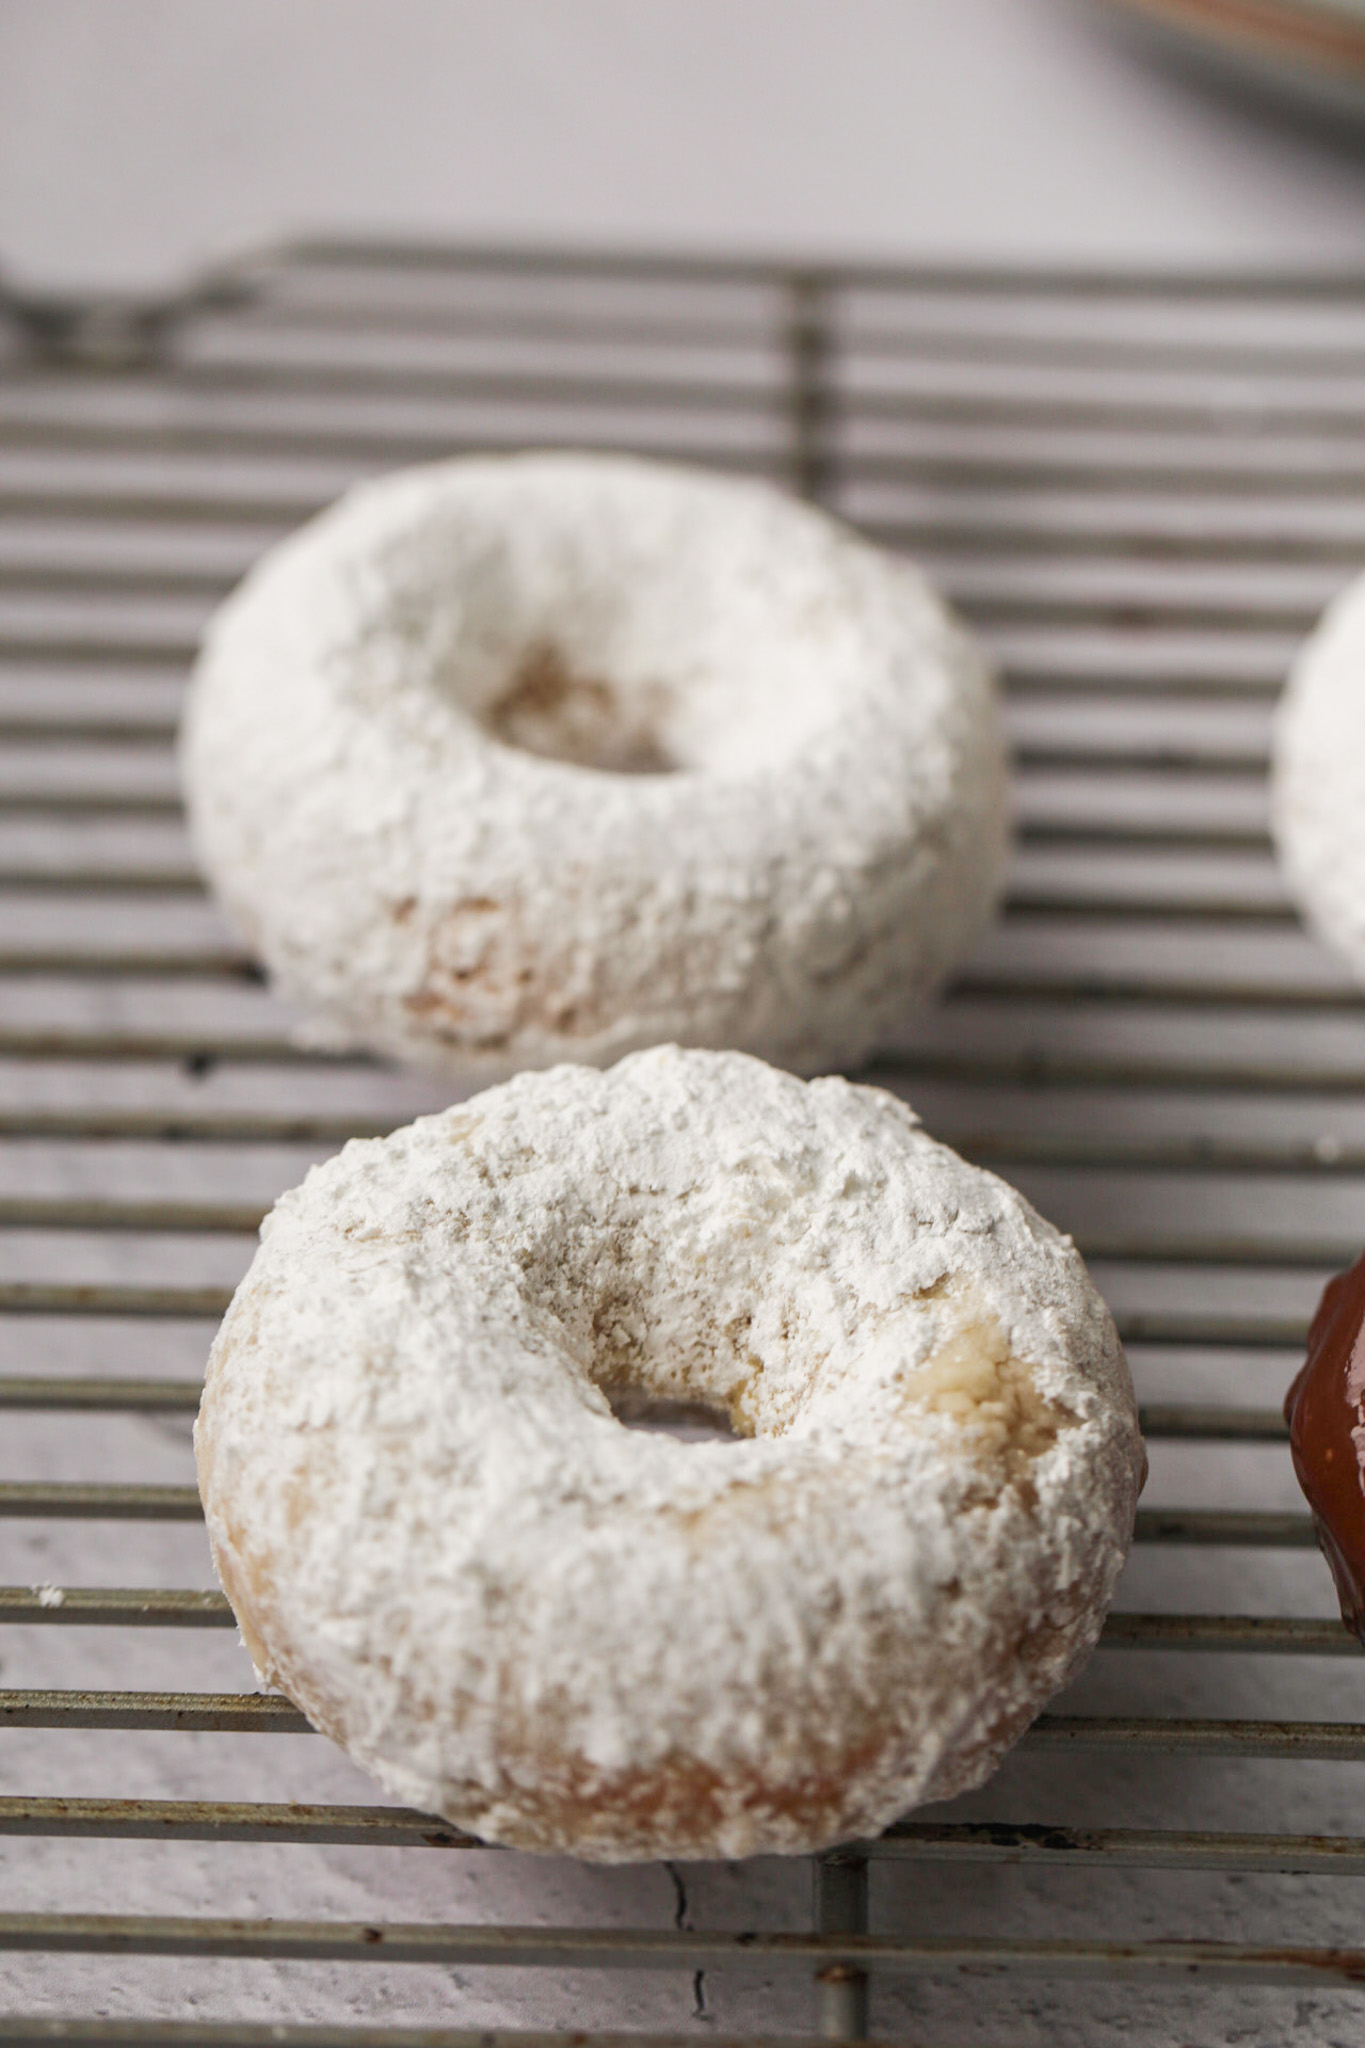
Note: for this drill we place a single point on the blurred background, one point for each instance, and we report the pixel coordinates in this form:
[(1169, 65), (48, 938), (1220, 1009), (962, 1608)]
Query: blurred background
[(139, 136)]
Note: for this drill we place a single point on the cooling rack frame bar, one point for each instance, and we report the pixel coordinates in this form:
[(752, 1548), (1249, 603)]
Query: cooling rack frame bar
[(190, 1607), (163, 1820), (41, 2032), (1223, 1528), (667, 1949)]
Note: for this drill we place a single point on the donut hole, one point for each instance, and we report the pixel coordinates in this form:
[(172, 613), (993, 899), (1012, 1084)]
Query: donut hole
[(595, 615), (649, 1339), (686, 1330), (550, 709), (650, 1315), (689, 1421)]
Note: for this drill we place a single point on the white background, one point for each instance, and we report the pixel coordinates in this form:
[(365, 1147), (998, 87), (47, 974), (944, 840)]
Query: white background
[(139, 136)]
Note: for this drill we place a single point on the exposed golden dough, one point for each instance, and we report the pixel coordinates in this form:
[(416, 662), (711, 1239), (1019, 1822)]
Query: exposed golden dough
[(975, 1378)]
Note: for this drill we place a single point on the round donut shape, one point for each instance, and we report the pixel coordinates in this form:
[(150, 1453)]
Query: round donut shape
[(1318, 778), (568, 1634), (515, 760)]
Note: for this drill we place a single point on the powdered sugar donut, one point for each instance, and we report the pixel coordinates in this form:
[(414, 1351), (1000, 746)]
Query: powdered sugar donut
[(567, 1634), (507, 761), (1318, 778)]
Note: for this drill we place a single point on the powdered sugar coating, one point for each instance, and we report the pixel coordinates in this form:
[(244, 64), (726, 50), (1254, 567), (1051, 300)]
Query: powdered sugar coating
[(1318, 778), (367, 758), (566, 1634)]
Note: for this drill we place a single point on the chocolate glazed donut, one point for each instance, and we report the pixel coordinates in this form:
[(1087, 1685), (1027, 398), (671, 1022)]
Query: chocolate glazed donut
[(1325, 1410)]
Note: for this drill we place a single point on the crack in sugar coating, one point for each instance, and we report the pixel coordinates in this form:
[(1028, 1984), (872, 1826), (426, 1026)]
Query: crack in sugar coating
[(566, 1634), (711, 767)]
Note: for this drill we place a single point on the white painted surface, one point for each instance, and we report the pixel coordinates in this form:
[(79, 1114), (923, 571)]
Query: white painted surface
[(137, 135)]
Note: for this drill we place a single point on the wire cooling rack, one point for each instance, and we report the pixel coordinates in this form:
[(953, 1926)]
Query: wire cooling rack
[(1141, 490)]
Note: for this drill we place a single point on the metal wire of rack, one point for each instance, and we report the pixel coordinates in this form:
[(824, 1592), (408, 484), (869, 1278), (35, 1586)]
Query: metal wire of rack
[(1141, 490)]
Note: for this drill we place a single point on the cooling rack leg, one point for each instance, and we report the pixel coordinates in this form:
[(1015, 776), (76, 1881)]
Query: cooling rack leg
[(841, 1908), (810, 343)]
